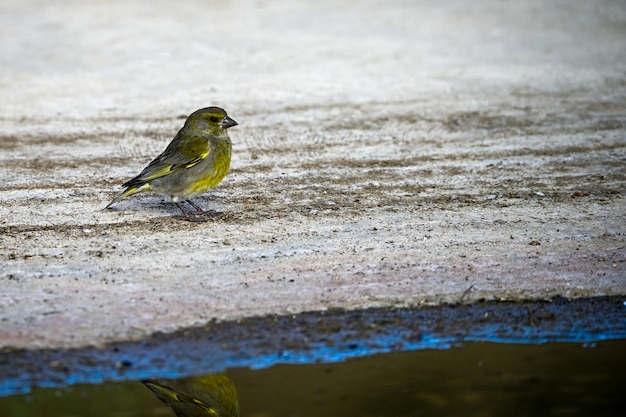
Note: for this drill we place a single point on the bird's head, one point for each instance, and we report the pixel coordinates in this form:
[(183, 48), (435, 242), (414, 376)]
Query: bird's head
[(212, 120)]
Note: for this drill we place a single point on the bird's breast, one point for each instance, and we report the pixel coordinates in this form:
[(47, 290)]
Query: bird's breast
[(210, 172)]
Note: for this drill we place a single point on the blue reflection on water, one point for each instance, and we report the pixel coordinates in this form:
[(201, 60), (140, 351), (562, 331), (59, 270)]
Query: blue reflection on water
[(317, 337)]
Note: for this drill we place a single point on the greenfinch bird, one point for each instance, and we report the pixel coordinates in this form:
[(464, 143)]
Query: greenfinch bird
[(208, 395), (196, 160)]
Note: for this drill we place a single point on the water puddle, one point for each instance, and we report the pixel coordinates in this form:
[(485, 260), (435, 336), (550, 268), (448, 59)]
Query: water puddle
[(562, 358)]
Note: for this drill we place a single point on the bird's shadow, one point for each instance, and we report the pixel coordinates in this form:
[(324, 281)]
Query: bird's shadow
[(154, 204), (199, 217)]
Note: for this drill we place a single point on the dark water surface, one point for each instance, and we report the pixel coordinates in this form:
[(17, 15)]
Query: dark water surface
[(556, 357), (475, 379)]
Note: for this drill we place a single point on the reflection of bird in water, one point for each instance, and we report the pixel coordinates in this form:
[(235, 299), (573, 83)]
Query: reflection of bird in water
[(207, 395)]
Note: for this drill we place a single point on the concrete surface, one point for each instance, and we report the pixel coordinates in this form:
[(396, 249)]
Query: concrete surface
[(388, 154)]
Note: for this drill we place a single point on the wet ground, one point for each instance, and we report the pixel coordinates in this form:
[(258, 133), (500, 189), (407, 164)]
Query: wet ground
[(313, 337), (562, 357), (472, 379), (416, 155)]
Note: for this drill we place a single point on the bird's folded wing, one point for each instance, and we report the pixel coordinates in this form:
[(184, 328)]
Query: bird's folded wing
[(181, 154), (177, 400)]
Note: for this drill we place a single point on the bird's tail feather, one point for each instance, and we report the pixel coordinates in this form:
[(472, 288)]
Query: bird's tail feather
[(128, 191)]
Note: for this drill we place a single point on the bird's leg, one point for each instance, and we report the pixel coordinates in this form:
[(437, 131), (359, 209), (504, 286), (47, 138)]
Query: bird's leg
[(197, 207), (197, 216), (180, 206), (186, 214)]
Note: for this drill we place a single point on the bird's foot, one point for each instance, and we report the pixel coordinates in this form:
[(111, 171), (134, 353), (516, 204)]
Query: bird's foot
[(197, 216)]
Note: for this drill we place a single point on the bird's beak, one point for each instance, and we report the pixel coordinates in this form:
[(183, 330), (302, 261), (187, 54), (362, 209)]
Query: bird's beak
[(228, 122)]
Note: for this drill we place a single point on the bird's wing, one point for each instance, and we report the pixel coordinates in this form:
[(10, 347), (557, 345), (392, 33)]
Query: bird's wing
[(182, 153), (182, 404)]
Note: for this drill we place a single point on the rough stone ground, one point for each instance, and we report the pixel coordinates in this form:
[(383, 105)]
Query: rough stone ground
[(386, 156)]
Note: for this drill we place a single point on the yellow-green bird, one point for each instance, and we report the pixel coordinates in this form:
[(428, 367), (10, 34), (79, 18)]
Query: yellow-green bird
[(196, 160), (202, 396)]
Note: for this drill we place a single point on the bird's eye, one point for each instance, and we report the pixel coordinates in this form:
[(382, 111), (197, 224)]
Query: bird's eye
[(214, 119)]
